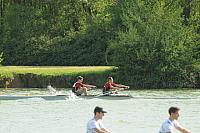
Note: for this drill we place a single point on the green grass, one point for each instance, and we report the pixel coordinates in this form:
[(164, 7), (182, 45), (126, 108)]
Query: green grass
[(9, 71)]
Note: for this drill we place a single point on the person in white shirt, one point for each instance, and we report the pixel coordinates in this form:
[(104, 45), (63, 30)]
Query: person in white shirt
[(95, 125), (171, 123)]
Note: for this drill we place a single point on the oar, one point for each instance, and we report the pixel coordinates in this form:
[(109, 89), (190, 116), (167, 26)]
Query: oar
[(107, 93), (104, 94), (90, 88)]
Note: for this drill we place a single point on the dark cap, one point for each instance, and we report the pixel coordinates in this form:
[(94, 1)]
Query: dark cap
[(99, 109)]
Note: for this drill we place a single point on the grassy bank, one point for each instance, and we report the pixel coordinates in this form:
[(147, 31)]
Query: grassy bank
[(10, 71), (60, 76), (64, 77)]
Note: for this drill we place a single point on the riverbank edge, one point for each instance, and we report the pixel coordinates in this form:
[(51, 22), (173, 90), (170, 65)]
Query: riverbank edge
[(64, 78), (30, 79)]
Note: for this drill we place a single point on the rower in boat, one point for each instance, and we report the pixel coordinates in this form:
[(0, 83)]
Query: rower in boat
[(110, 87), (79, 87)]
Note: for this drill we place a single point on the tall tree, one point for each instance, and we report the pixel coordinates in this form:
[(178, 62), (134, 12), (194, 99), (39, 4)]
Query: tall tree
[(64, 32), (153, 47)]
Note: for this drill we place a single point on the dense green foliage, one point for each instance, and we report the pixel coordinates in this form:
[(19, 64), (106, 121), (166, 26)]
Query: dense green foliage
[(153, 42), (156, 47), (64, 32)]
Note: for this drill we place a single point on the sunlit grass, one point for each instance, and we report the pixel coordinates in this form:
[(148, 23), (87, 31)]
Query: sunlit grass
[(9, 71)]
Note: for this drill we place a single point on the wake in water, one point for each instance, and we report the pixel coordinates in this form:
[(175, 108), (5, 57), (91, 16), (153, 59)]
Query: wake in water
[(51, 89), (72, 96), (69, 95)]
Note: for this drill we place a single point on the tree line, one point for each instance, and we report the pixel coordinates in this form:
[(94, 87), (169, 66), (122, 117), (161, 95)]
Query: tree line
[(153, 42)]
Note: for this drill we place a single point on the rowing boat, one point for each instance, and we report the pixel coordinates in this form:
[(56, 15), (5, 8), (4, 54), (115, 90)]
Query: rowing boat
[(64, 97), (109, 96)]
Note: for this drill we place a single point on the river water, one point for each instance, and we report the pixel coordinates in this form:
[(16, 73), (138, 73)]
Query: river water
[(142, 114)]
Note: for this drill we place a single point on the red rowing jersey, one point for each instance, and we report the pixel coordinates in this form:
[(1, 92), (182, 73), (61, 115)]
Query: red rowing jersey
[(108, 85), (77, 85)]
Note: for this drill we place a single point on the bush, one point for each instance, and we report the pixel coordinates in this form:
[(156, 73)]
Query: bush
[(154, 49)]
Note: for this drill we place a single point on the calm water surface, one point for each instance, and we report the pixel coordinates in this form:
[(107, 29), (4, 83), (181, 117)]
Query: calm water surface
[(142, 114)]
